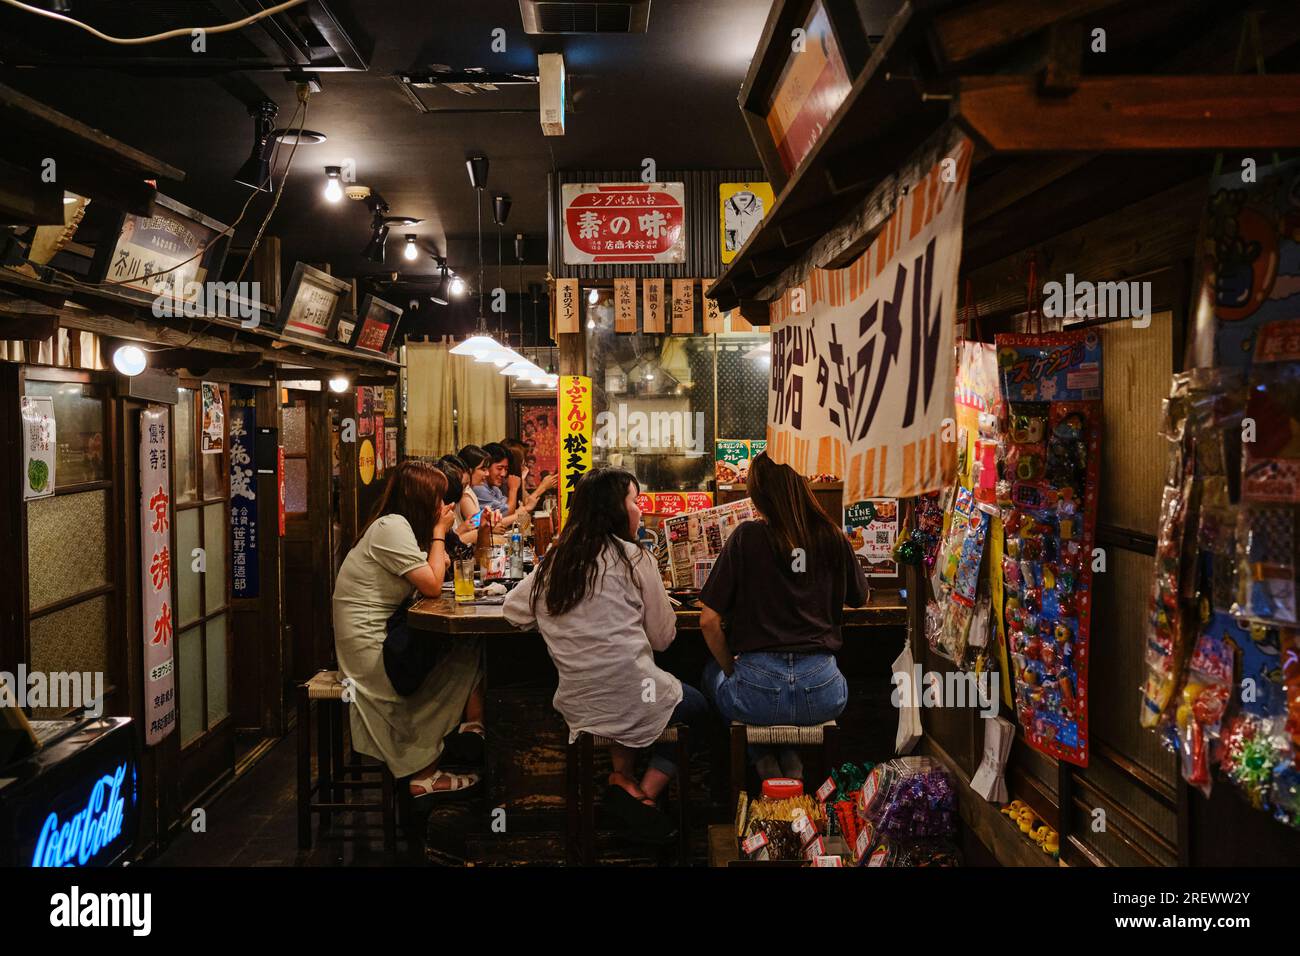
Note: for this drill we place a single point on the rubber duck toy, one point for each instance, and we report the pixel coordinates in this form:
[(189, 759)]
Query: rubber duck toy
[(1052, 843)]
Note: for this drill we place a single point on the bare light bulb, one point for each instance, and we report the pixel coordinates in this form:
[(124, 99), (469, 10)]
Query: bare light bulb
[(457, 286), (338, 384), (333, 188), (593, 296), (410, 252), (129, 360)]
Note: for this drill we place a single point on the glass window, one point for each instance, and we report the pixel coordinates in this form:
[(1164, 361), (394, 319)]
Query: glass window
[(189, 654), (214, 541), (218, 681), (66, 546), (213, 474), (74, 639), (295, 485), (187, 487), (79, 430), (187, 580), (293, 419)]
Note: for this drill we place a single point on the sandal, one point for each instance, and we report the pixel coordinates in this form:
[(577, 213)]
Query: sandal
[(640, 821), (458, 784), (466, 744)]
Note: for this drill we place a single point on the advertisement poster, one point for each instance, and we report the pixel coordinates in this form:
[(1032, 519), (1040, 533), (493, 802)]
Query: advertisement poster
[(243, 492), (381, 446), (162, 253), (624, 222), (390, 447), (365, 411), (872, 527), (743, 206), (810, 89), (214, 420), (537, 430), (366, 461), (695, 539), (1250, 265), (862, 373), (576, 423), (731, 458), (159, 615), (39, 446)]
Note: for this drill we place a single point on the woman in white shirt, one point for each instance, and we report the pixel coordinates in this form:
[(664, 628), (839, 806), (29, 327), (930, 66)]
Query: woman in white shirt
[(600, 605)]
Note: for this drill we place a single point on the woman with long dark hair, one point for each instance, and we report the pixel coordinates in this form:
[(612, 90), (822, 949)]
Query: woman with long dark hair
[(403, 549), (780, 586), (601, 607)]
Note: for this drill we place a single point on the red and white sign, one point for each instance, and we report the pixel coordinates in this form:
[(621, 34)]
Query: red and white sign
[(624, 222), (156, 575)]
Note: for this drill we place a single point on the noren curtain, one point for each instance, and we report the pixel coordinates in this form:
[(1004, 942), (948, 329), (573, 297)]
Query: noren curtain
[(438, 383)]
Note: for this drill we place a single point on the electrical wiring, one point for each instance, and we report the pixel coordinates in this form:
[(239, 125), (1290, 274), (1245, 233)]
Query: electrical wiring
[(179, 32)]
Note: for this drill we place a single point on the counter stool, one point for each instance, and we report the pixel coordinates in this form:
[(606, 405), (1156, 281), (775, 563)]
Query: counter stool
[(823, 735), (580, 794), (329, 789)]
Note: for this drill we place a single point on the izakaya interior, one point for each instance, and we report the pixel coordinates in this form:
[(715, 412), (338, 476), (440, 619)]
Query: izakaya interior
[(746, 433)]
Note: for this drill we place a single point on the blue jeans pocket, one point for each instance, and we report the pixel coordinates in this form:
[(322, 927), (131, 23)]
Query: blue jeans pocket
[(826, 699), (754, 703)]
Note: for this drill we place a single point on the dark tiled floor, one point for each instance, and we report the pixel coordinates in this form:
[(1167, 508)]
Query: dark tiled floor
[(253, 822)]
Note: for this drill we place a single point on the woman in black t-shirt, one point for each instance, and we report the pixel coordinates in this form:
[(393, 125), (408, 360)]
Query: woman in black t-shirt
[(780, 586)]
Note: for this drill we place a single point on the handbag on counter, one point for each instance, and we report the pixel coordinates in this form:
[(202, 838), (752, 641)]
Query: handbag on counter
[(409, 657)]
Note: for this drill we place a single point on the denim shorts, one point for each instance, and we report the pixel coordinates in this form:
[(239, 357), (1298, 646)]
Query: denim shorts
[(768, 688)]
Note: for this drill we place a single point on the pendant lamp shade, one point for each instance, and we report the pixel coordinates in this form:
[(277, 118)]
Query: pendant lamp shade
[(500, 208), (478, 171)]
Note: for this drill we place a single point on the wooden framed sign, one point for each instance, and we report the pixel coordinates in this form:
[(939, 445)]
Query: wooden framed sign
[(375, 326), (168, 253), (312, 305)]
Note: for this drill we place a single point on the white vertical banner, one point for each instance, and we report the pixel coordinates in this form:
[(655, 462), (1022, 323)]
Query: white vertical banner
[(159, 613), (38, 446), (862, 371)]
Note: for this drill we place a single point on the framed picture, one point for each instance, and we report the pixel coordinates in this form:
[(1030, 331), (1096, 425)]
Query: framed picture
[(312, 305), (166, 253), (793, 90), (375, 326)]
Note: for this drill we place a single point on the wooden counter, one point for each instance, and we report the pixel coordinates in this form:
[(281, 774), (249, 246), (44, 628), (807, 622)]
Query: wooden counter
[(443, 615)]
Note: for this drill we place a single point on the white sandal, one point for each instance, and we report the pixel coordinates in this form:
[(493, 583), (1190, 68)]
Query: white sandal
[(457, 783), (472, 727)]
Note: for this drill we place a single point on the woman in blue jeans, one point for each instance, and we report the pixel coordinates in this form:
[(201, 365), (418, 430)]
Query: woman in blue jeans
[(779, 588)]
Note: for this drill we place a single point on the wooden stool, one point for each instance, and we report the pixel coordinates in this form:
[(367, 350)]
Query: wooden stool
[(823, 735), (326, 689), (580, 793)]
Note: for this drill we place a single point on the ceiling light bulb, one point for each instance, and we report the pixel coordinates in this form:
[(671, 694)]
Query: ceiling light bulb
[(593, 296), (333, 188), (129, 360), (457, 286), (411, 251), (338, 384)]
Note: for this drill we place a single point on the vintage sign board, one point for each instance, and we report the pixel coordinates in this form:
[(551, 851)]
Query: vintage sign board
[(624, 223), (312, 305)]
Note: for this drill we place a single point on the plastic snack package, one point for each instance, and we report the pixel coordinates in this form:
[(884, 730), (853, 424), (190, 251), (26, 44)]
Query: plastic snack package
[(1266, 569), (1204, 701)]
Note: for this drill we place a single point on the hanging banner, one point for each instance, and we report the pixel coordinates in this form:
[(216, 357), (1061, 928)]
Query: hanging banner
[(624, 305), (214, 420), (624, 222), (156, 575), (862, 376), (566, 305), (576, 423), (243, 492), (38, 446), (652, 305), (683, 307)]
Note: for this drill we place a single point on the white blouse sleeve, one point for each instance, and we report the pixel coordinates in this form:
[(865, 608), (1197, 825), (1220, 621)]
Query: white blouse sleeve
[(518, 607), (658, 619)]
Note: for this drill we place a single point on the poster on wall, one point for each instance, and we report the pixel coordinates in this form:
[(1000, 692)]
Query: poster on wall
[(862, 370), (576, 424), (743, 206), (381, 448), (166, 254), (811, 87), (1052, 457), (214, 420), (695, 540), (390, 447), (158, 616), (872, 527), (1250, 265), (39, 446), (365, 411), (366, 461), (243, 492), (624, 222), (537, 430)]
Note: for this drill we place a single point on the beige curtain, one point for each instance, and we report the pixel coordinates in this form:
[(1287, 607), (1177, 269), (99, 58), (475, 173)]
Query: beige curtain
[(480, 390), (429, 400), (437, 382)]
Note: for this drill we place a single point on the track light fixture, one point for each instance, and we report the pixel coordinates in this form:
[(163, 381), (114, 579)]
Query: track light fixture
[(500, 209), (256, 171), (478, 171), (374, 250)]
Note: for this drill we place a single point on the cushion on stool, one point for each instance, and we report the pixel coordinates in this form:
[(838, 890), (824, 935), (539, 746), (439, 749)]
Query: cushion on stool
[(325, 685), (785, 734)]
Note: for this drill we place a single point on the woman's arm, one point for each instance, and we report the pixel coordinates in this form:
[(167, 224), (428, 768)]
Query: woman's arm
[(428, 579), (711, 625), (658, 618), (530, 499), (514, 488), (518, 608)]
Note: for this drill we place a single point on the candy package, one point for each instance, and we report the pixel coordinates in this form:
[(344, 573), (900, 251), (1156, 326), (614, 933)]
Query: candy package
[(1266, 570), (1205, 699)]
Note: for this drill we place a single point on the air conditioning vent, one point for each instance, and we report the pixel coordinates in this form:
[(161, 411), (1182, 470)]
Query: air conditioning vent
[(606, 16)]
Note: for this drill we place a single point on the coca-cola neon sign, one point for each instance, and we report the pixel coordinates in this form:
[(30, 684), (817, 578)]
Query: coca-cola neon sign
[(80, 839)]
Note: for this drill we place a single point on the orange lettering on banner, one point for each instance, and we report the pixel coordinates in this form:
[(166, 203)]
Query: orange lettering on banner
[(922, 198), (868, 474), (884, 463), (909, 470)]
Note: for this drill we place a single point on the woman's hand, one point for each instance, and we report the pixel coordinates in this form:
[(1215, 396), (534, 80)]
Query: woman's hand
[(547, 483), (446, 518)]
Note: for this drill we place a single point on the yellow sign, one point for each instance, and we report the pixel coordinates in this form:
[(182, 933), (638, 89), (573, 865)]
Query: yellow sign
[(366, 461), (576, 433), (742, 207)]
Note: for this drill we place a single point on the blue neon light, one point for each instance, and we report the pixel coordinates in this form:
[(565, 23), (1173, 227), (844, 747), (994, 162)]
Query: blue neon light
[(79, 840)]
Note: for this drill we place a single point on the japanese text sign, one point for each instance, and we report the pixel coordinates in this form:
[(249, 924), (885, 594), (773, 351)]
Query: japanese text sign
[(576, 433), (38, 446), (156, 564), (243, 492), (862, 371), (624, 222)]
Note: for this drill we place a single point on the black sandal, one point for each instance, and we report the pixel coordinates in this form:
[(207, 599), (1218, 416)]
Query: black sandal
[(640, 822)]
